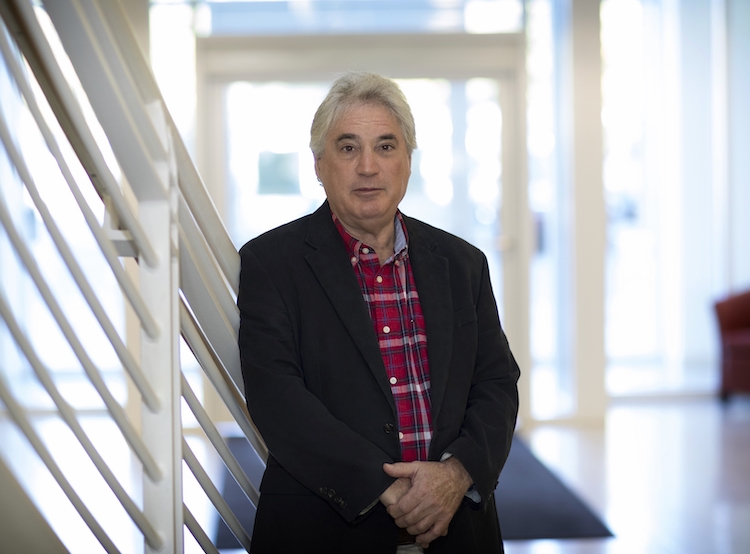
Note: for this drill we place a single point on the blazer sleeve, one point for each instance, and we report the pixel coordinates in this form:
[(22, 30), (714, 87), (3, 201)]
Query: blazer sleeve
[(486, 430), (316, 448)]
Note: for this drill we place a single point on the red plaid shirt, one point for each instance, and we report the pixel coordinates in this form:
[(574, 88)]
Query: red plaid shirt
[(391, 296)]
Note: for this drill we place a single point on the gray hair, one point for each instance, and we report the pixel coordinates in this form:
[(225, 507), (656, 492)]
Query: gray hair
[(352, 89)]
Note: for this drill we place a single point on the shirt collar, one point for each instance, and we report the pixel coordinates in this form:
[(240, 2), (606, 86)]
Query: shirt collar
[(400, 246)]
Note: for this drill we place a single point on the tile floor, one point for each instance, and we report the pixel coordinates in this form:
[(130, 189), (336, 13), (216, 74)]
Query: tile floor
[(668, 476)]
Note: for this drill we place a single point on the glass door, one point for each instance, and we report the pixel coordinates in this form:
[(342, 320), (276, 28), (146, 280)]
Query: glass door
[(256, 100), (456, 170)]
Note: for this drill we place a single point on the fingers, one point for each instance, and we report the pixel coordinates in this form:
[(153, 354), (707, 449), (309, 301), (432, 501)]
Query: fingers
[(428, 506), (395, 492), (440, 529), (403, 510), (400, 469)]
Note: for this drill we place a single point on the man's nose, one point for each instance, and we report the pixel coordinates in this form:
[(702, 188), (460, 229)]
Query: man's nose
[(367, 164)]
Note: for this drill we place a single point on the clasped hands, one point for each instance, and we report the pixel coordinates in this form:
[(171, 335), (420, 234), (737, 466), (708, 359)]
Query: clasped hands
[(425, 496)]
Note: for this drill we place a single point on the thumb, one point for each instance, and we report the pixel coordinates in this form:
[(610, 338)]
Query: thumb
[(399, 469)]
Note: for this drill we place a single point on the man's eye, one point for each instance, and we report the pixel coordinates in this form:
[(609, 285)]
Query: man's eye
[(387, 147), (347, 148)]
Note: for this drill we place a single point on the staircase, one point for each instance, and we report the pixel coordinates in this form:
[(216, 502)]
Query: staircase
[(85, 137)]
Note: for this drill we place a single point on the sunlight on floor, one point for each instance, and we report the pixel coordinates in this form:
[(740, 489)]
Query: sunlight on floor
[(667, 477)]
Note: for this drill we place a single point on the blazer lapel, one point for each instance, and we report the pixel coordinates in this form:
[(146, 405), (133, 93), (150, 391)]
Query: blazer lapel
[(432, 274), (331, 266)]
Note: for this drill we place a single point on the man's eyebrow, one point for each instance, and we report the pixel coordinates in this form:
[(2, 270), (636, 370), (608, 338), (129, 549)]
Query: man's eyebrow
[(354, 136), (346, 136), (388, 136)]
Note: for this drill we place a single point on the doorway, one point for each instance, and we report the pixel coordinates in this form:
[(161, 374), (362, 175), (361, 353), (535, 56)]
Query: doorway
[(257, 97)]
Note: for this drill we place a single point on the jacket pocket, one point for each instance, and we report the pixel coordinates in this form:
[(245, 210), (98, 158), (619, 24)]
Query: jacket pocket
[(464, 316)]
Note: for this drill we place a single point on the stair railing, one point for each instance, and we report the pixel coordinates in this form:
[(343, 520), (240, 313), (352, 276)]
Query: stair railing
[(157, 212)]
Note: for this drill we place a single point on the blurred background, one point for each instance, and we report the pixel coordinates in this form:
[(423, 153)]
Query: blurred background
[(596, 151), (635, 124)]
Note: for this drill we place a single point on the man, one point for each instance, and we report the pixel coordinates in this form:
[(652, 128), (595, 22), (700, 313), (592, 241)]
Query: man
[(374, 363)]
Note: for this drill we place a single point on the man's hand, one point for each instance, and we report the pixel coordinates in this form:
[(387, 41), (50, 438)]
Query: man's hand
[(427, 508), (393, 494)]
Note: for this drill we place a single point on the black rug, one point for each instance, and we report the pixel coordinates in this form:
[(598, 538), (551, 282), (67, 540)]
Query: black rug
[(532, 503)]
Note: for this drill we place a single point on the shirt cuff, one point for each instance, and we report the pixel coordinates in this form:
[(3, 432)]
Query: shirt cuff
[(472, 494)]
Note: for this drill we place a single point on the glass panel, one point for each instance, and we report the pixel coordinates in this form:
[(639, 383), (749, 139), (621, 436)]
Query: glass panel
[(551, 383), (455, 181), (289, 17), (661, 269)]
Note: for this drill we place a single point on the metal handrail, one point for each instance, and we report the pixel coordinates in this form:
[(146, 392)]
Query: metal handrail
[(69, 416), (197, 531), (220, 379), (88, 365), (215, 496), (105, 244), (189, 268), (17, 413), (218, 443), (75, 270), (23, 26)]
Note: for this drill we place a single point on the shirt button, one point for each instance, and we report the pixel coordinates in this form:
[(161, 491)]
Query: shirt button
[(393, 380), (354, 259), (386, 329), (365, 250), (379, 279), (400, 436)]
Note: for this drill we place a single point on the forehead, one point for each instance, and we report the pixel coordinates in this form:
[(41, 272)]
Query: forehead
[(365, 120)]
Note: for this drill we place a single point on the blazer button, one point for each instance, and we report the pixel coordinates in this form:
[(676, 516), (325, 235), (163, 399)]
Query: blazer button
[(389, 428)]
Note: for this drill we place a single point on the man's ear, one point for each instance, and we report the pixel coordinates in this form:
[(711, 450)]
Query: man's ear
[(317, 168)]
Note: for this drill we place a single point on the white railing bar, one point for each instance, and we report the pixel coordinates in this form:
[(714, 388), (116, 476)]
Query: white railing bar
[(207, 265), (73, 266), (197, 531), (104, 43), (17, 413), (130, 131), (105, 244), (133, 56), (200, 202), (149, 396), (219, 444), (69, 415), (204, 211), (118, 414), (33, 43), (217, 374), (190, 182), (215, 496), (219, 327), (219, 332)]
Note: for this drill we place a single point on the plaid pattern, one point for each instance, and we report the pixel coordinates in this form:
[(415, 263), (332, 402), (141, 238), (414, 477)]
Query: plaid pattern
[(391, 296)]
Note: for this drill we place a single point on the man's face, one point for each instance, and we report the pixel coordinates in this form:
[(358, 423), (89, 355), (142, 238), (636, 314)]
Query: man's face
[(365, 167)]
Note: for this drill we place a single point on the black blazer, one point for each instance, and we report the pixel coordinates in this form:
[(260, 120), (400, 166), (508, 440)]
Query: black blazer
[(316, 387)]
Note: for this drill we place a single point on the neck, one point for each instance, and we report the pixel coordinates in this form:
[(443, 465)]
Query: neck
[(381, 238)]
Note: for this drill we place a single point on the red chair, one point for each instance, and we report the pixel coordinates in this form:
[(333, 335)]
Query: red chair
[(733, 315)]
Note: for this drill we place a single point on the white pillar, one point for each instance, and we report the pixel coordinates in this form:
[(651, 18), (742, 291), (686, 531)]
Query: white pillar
[(583, 221), (161, 428)]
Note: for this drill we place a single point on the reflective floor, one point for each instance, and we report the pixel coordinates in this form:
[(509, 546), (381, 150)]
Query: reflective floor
[(668, 476)]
